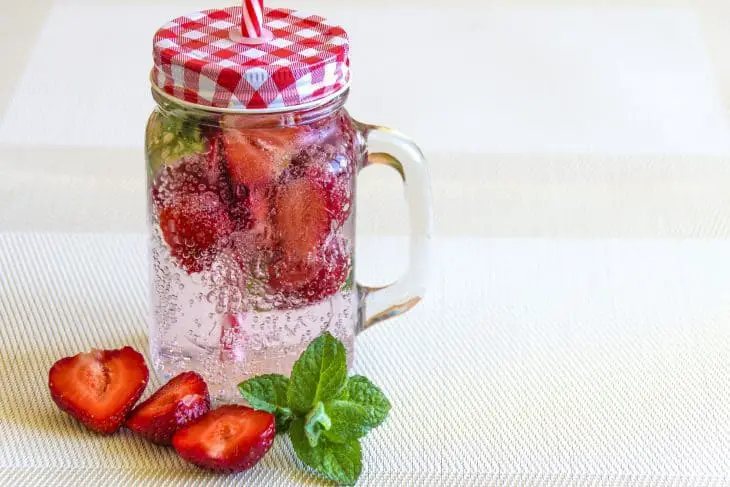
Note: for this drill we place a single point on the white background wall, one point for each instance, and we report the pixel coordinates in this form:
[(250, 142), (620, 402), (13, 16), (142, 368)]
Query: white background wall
[(548, 118)]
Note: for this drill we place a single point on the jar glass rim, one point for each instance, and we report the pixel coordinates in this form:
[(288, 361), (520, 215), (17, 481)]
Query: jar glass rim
[(250, 111)]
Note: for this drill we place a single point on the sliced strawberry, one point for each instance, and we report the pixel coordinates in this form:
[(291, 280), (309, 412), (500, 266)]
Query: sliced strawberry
[(302, 217), (313, 279), (335, 176), (192, 225), (175, 404), (99, 387), (258, 156), (331, 169), (261, 218), (250, 246), (228, 439)]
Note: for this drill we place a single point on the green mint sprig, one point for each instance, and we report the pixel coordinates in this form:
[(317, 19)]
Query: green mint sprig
[(324, 411)]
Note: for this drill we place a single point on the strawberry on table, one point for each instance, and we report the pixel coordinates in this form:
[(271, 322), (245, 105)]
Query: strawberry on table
[(99, 387), (231, 438), (183, 399)]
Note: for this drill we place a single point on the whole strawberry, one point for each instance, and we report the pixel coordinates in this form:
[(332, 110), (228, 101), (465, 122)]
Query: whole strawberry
[(193, 225), (195, 206)]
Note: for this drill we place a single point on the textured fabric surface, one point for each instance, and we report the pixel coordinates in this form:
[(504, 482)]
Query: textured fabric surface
[(531, 362)]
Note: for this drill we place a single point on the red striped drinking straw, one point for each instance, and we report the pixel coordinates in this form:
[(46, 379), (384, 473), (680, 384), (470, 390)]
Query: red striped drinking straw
[(252, 20)]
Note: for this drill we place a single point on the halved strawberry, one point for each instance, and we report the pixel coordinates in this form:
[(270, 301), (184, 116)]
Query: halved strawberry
[(99, 387), (261, 224), (175, 404), (302, 217), (335, 176), (228, 439), (192, 225), (258, 156), (315, 278), (214, 167)]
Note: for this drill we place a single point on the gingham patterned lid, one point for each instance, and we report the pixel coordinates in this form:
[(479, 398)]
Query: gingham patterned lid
[(200, 58)]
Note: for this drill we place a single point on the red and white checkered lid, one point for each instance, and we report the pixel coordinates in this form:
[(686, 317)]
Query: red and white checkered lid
[(201, 58)]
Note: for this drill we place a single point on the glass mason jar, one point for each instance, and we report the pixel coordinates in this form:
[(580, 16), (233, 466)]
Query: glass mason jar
[(251, 217)]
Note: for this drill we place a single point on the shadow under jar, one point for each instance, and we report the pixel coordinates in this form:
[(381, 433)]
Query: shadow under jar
[(251, 216)]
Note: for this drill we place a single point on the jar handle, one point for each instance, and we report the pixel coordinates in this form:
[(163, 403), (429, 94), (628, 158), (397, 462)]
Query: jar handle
[(390, 148)]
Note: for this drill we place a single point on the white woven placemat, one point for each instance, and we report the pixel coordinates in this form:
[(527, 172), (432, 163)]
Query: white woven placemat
[(532, 362)]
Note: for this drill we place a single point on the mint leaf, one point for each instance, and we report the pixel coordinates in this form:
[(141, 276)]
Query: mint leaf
[(268, 393), (348, 421), (358, 408), (334, 461), (342, 462), (309, 455), (350, 279), (265, 392), (359, 390), (316, 422), (325, 412), (318, 375)]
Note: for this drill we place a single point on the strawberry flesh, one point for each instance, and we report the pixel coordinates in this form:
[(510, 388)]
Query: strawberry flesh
[(334, 176), (231, 438), (259, 204), (257, 157), (302, 218), (314, 196), (183, 399), (99, 388)]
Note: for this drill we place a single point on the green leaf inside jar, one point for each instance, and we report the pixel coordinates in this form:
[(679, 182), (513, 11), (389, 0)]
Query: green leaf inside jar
[(171, 137)]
